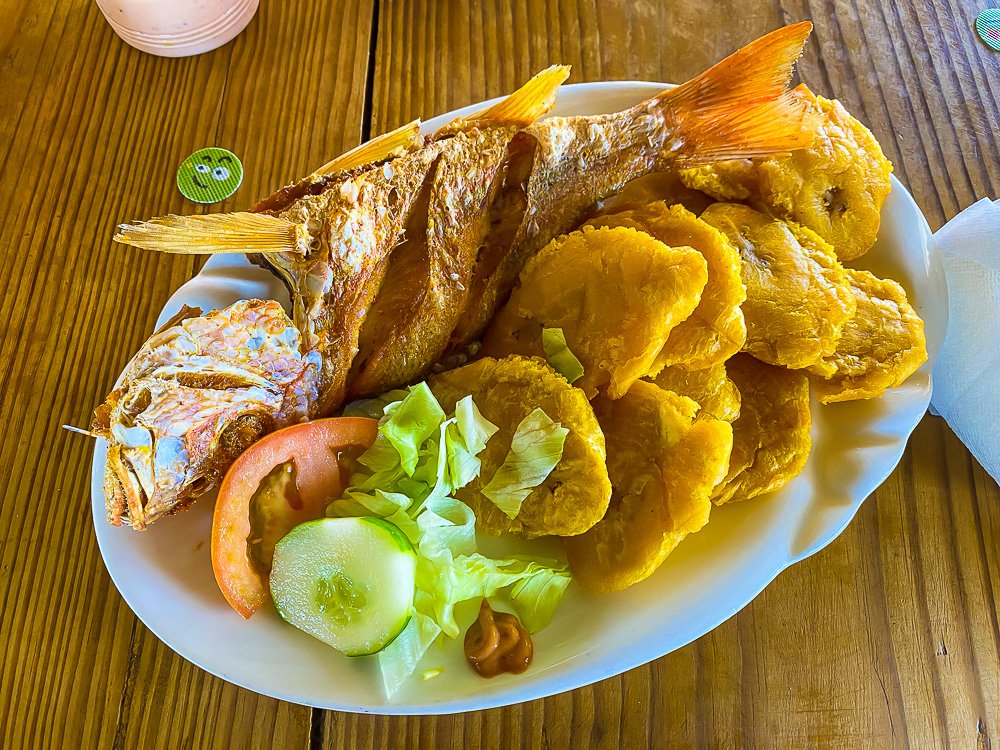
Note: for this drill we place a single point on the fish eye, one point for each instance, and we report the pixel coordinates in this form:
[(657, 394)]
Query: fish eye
[(201, 168), (220, 173)]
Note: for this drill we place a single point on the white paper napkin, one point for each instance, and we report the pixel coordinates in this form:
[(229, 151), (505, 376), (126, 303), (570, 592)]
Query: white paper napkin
[(967, 372)]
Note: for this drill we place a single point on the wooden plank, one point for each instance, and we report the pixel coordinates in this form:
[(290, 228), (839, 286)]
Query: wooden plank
[(91, 133), (889, 636)]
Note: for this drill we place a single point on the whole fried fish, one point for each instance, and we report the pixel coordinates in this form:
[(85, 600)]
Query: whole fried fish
[(401, 251)]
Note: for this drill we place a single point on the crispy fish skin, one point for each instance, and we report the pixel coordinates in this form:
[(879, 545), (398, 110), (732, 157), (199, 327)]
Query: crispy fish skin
[(715, 393), (663, 464), (575, 494), (616, 293), (836, 187), (353, 229), (417, 315), (881, 345), (198, 393), (716, 330), (771, 438), (798, 296)]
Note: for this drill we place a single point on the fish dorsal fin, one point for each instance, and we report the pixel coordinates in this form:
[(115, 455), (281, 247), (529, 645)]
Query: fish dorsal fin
[(212, 234), (523, 107), (375, 150)]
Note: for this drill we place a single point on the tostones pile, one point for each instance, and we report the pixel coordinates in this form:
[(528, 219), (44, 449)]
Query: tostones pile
[(679, 340)]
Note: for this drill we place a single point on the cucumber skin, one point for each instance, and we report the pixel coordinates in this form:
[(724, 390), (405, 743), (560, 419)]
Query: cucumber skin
[(403, 545), (402, 541)]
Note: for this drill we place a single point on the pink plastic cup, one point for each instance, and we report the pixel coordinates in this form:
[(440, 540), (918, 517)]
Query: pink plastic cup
[(177, 28)]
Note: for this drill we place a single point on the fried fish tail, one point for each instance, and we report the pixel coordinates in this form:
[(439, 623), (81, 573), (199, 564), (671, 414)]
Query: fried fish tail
[(740, 107)]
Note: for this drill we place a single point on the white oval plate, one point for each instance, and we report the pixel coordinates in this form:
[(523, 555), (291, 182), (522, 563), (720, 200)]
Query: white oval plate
[(165, 574)]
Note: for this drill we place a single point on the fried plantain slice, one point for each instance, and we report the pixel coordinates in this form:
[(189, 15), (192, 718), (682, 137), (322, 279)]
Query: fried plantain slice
[(716, 395), (771, 440), (663, 465), (716, 329), (798, 296), (616, 293), (575, 494), (836, 187), (880, 347)]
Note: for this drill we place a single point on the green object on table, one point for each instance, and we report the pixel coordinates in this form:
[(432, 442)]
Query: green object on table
[(988, 27), (209, 175)]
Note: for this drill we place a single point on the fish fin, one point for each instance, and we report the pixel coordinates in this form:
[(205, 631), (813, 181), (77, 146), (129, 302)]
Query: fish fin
[(778, 126), (739, 108), (758, 71), (377, 149), (211, 234), (525, 105)]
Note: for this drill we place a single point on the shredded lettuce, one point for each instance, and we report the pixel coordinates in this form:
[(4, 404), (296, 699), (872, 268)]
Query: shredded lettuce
[(475, 576), (474, 428), (558, 353), (534, 452), (420, 458), (411, 421), (399, 659)]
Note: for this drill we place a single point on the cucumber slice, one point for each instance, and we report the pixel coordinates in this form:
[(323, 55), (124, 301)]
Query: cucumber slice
[(347, 581)]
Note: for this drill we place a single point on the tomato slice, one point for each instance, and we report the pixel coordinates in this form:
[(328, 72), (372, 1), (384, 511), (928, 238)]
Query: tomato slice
[(287, 478)]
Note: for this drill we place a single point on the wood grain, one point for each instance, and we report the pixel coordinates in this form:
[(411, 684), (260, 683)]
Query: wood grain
[(91, 133), (887, 638)]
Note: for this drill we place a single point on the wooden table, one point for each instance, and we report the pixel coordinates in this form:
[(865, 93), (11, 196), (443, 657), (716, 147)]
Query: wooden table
[(889, 637)]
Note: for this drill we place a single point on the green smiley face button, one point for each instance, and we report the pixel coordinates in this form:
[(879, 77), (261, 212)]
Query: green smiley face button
[(209, 175)]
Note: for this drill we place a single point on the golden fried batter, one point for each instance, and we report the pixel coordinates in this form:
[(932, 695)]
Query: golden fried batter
[(734, 180), (836, 187), (771, 437), (663, 465), (575, 495), (798, 297), (616, 294), (716, 330), (711, 388), (880, 347)]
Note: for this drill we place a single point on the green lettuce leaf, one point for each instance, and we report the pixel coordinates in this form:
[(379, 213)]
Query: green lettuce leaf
[(536, 596), (399, 659), (558, 353), (474, 428), (474, 576), (534, 452), (408, 423)]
